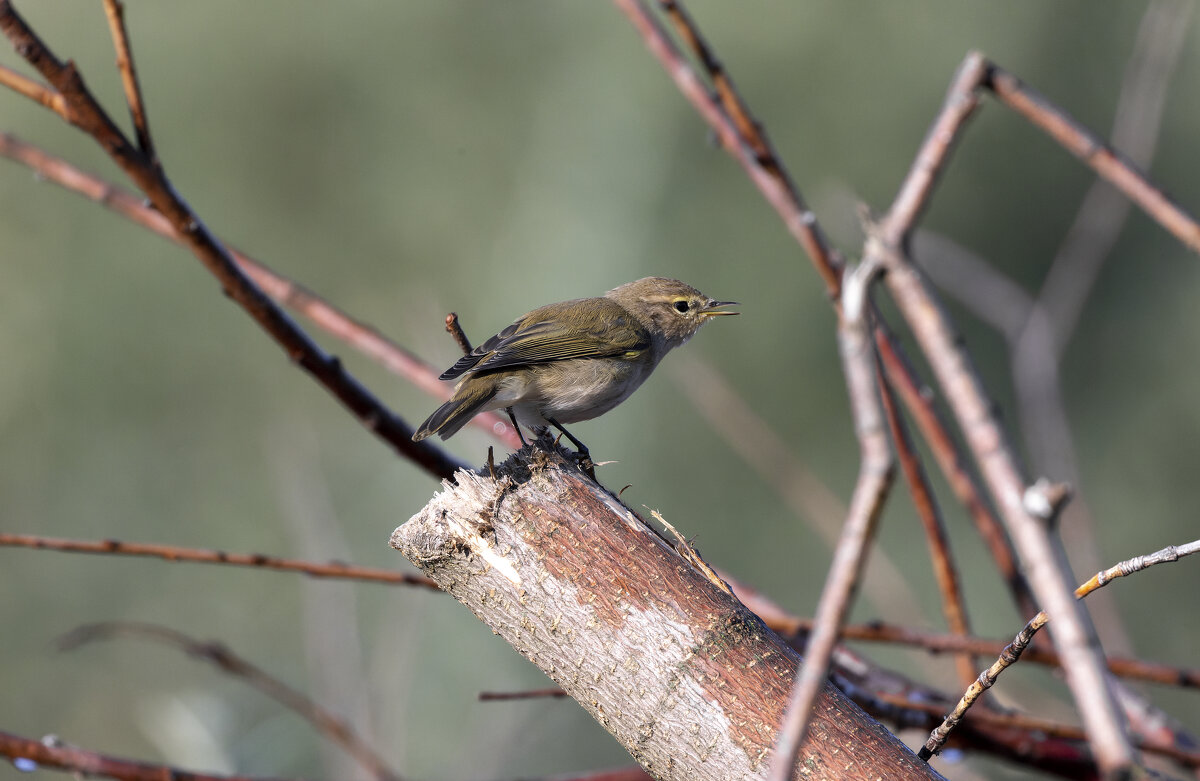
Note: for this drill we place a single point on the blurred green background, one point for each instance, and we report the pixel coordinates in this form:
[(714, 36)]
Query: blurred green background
[(408, 159)]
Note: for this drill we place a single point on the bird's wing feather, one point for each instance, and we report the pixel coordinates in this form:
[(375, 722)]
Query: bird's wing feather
[(550, 334)]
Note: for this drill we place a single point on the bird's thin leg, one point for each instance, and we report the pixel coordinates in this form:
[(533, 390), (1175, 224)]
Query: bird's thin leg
[(586, 454), (513, 418)]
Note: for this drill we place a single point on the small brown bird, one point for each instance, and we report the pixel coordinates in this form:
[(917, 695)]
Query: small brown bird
[(573, 360)]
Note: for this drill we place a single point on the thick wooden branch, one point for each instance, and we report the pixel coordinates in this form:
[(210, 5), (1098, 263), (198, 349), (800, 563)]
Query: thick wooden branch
[(690, 681)]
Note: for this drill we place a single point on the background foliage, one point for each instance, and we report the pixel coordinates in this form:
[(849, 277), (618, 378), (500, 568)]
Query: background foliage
[(408, 159)]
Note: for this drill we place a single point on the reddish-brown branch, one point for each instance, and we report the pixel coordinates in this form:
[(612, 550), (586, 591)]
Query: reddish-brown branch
[(771, 182), (52, 754), (944, 569), (84, 112), (919, 402), (40, 93), (362, 337), (770, 177), (115, 11), (322, 720), (331, 569), (1041, 554), (454, 328), (1105, 161)]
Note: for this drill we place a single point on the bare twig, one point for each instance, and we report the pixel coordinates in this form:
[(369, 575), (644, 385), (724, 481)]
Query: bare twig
[(331, 569), (115, 11), (746, 142), (84, 112), (1103, 159), (1043, 556), (945, 571), (528, 694), (770, 179), (50, 753), (961, 102), (763, 449), (874, 479), (454, 328), (1046, 330), (879, 632), (362, 337), (1012, 652), (35, 91), (323, 721)]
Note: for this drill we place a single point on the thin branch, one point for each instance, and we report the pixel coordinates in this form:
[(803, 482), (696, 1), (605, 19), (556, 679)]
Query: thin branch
[(84, 112), (35, 91), (115, 11), (919, 400), (50, 753), (1042, 555), (769, 176), (771, 181), (454, 328), (961, 102), (331, 569), (362, 337), (1012, 652), (875, 475), (1103, 159), (528, 694), (934, 643), (954, 607), (1037, 350), (322, 720), (760, 445)]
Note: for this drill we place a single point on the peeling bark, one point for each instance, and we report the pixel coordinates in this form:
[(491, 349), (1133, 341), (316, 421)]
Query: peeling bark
[(664, 657)]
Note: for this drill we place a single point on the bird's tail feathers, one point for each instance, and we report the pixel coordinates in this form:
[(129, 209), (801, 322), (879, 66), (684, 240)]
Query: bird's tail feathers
[(447, 419)]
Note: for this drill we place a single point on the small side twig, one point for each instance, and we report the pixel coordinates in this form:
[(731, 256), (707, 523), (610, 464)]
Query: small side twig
[(1012, 652), (323, 721), (85, 112), (115, 11), (331, 569), (52, 753), (945, 571), (870, 492), (455, 329), (359, 335), (528, 694)]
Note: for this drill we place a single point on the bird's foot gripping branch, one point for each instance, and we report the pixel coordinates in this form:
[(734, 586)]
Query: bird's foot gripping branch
[(687, 678)]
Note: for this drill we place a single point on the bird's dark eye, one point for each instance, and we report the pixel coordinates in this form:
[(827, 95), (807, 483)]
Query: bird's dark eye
[(681, 306)]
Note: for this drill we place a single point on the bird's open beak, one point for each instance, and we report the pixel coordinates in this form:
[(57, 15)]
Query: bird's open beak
[(710, 309)]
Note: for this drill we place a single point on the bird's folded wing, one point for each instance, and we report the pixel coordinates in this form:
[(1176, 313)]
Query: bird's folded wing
[(611, 332)]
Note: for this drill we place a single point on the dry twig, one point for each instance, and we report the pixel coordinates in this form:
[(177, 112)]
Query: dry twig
[(80, 108), (332, 569), (362, 337), (870, 492), (322, 720), (1012, 652), (50, 752)]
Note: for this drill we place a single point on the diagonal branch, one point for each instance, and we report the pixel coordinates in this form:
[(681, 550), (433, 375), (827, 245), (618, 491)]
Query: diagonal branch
[(322, 720), (115, 11), (954, 607), (361, 336), (84, 112), (29, 754), (875, 475), (1014, 650), (332, 569)]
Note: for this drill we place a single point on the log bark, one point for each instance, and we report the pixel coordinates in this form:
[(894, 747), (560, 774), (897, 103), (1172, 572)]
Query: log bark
[(650, 642)]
